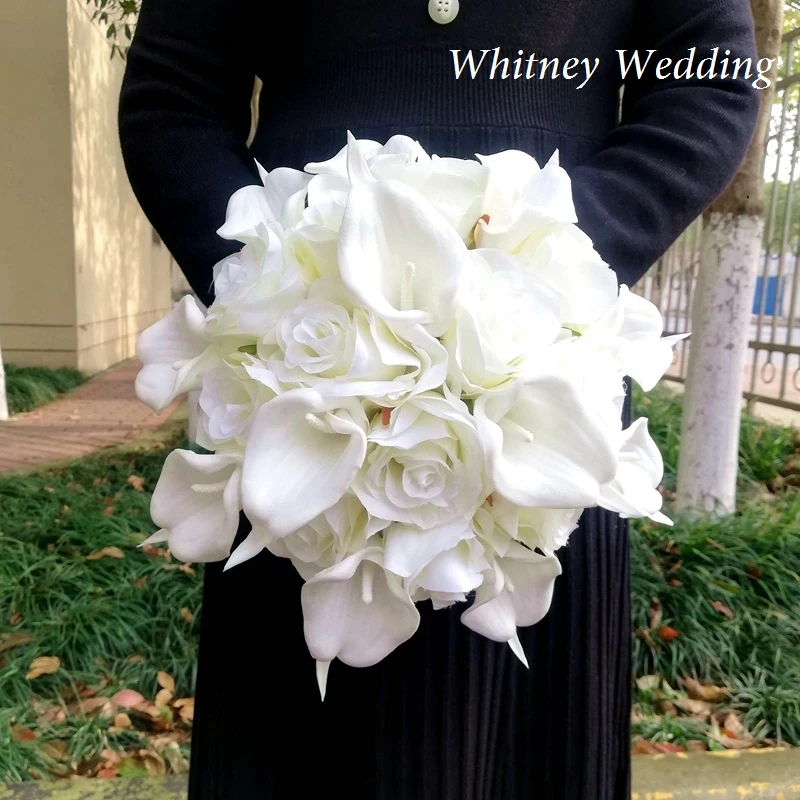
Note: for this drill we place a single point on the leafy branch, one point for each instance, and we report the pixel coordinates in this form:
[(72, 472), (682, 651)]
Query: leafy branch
[(118, 17)]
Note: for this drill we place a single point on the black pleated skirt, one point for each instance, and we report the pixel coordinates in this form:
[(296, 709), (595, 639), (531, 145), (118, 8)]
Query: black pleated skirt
[(449, 715)]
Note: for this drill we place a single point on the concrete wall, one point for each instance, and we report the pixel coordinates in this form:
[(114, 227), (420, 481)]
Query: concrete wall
[(93, 277)]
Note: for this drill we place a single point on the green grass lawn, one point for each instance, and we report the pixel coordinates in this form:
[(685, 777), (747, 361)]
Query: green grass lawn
[(30, 387), (719, 601), (114, 622), (716, 601)]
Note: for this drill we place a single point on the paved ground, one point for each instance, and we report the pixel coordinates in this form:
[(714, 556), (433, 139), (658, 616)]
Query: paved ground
[(732, 775), (102, 412)]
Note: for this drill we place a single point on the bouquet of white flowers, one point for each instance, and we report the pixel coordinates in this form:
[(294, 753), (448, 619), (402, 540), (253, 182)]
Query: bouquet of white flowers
[(411, 379)]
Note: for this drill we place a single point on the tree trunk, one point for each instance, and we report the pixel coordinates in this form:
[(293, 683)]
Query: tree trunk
[(732, 235)]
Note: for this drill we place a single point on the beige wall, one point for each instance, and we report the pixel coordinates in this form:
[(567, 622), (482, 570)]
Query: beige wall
[(103, 279), (37, 280)]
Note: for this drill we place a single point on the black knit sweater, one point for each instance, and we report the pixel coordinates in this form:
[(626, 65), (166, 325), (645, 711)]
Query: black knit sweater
[(383, 68), (449, 715)]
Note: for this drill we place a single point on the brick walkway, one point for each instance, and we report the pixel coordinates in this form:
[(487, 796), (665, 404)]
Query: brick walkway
[(104, 411)]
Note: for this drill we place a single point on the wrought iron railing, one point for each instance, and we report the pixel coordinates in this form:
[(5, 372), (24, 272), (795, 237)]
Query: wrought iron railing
[(772, 373)]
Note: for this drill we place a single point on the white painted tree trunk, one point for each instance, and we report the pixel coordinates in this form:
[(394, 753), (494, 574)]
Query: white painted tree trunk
[(3, 399), (712, 406)]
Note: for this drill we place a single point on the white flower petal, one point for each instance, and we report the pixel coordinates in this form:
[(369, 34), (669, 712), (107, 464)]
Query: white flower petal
[(338, 623), (520, 597), (173, 352), (399, 257), (544, 445), (197, 499), (294, 471), (408, 549)]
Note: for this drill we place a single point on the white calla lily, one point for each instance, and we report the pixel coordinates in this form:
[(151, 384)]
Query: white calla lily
[(633, 491), (524, 205), (356, 611), (302, 454), (545, 446), (280, 199), (408, 549), (399, 257), (566, 260), (174, 353), (645, 354), (451, 575), (197, 501), (516, 592)]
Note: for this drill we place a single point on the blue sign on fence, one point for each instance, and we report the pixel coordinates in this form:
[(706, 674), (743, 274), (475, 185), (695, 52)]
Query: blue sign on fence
[(773, 302)]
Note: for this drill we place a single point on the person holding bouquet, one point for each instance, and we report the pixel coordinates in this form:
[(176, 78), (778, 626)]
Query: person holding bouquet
[(448, 714)]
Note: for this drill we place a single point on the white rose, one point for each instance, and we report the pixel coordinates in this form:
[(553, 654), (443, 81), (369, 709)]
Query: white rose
[(425, 467), (258, 286), (329, 343), (342, 530), (498, 523), (228, 399), (506, 318)]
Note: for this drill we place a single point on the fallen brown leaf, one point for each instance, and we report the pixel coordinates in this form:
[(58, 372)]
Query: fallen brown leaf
[(753, 571), (54, 750), (148, 709), (14, 639), (137, 482), (185, 706), (44, 665), (122, 721), (700, 709), (163, 697), (74, 486), (106, 552), (52, 715), (668, 747), (721, 608), (153, 762), (732, 726), (655, 613), (709, 693), (186, 615), (643, 748), (49, 489), (14, 618), (107, 772), (108, 511), (90, 705), (696, 746), (128, 698), (166, 681), (136, 659), (23, 734), (668, 634)]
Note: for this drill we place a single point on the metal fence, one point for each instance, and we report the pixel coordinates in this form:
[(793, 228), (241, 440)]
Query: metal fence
[(772, 373)]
